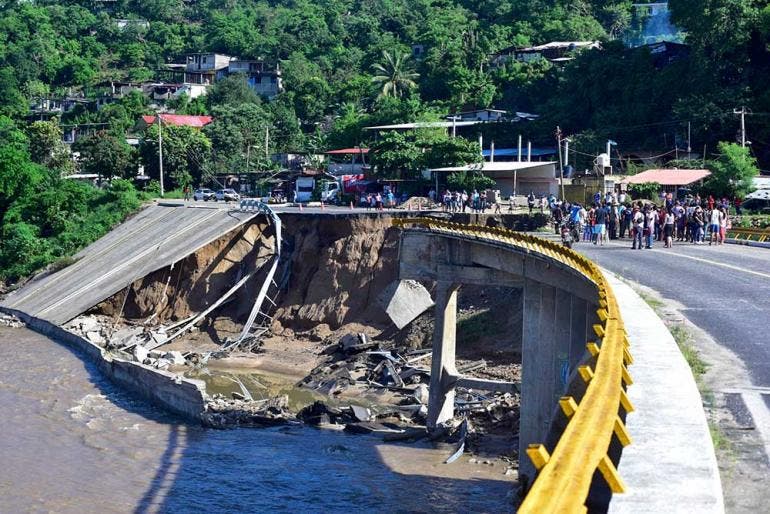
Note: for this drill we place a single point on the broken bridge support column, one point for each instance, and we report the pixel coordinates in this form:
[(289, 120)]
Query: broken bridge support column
[(443, 372)]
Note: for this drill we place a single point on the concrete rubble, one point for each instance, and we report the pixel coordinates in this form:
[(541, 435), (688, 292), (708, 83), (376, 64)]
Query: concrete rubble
[(404, 300), (6, 320), (222, 412)]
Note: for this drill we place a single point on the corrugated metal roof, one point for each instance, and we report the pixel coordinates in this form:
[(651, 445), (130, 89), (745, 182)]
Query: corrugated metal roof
[(348, 151), (667, 177), (180, 120)]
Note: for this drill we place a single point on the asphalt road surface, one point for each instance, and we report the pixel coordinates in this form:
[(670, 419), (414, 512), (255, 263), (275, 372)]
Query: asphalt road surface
[(725, 290)]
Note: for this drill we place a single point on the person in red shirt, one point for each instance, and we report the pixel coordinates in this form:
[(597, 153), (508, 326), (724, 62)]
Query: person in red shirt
[(711, 202)]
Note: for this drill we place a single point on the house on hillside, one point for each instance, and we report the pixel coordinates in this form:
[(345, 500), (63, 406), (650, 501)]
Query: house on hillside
[(124, 23), (664, 53), (180, 120), (263, 79), (207, 68), (555, 52), (479, 115)]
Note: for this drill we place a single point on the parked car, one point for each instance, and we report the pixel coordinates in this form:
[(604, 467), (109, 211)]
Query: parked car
[(204, 194), (228, 195)]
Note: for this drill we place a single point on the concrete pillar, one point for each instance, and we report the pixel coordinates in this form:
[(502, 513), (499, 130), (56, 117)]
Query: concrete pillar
[(562, 343), (533, 420), (578, 332), (547, 353), (443, 371)]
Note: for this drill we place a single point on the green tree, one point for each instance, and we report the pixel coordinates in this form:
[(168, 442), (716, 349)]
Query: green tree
[(47, 148), (469, 180), (232, 90), (394, 75), (105, 154), (238, 136), (18, 177), (456, 151), (186, 152), (396, 155), (733, 172)]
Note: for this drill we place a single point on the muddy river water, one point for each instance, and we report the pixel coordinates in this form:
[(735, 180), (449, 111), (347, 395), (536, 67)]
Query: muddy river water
[(71, 441)]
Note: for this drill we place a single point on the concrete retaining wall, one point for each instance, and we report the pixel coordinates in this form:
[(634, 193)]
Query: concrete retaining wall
[(183, 396)]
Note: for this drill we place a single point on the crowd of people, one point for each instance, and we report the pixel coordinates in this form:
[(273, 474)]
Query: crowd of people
[(475, 202), (378, 201), (611, 216)]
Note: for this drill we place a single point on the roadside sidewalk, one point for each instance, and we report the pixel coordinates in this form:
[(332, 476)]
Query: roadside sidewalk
[(670, 465)]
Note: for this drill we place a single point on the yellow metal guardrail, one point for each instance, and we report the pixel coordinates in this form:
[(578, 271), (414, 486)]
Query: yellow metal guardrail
[(749, 234), (564, 477)]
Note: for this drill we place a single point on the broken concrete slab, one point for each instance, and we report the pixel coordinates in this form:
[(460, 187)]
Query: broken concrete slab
[(404, 300), (140, 353), (175, 358), (95, 337)]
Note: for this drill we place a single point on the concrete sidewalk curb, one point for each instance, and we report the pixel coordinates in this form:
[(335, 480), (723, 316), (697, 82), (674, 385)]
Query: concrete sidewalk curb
[(744, 242), (671, 465)]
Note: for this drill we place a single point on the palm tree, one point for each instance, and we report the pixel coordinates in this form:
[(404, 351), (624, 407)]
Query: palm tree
[(395, 74)]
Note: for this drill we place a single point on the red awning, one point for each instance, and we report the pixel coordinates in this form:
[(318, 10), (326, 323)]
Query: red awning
[(348, 151)]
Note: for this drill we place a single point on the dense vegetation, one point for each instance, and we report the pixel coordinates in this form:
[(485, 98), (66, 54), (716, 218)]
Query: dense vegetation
[(348, 64)]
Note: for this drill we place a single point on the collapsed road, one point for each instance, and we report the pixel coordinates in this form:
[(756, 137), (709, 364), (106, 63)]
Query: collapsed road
[(175, 308)]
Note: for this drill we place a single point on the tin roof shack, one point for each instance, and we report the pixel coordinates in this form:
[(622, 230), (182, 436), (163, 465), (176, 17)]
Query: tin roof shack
[(521, 177), (555, 52), (348, 161)]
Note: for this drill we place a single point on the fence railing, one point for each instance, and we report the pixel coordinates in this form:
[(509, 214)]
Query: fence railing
[(564, 477), (749, 234)]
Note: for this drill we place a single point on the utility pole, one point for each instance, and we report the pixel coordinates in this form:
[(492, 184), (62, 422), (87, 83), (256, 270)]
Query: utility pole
[(689, 141), (248, 157), (742, 112), (267, 143), (518, 155), (561, 164), (454, 125), (160, 153), (566, 151)]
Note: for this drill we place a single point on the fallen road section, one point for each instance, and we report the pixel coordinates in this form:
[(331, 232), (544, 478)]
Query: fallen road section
[(156, 237)]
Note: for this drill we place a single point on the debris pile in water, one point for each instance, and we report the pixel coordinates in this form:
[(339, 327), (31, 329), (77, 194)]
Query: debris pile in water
[(7, 320)]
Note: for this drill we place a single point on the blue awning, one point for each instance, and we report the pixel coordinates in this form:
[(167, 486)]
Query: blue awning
[(514, 152)]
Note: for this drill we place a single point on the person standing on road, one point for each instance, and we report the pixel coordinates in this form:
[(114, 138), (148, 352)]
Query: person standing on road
[(637, 218), (649, 226), (699, 219), (626, 224), (668, 228), (714, 226), (186, 192), (600, 228), (531, 201)]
